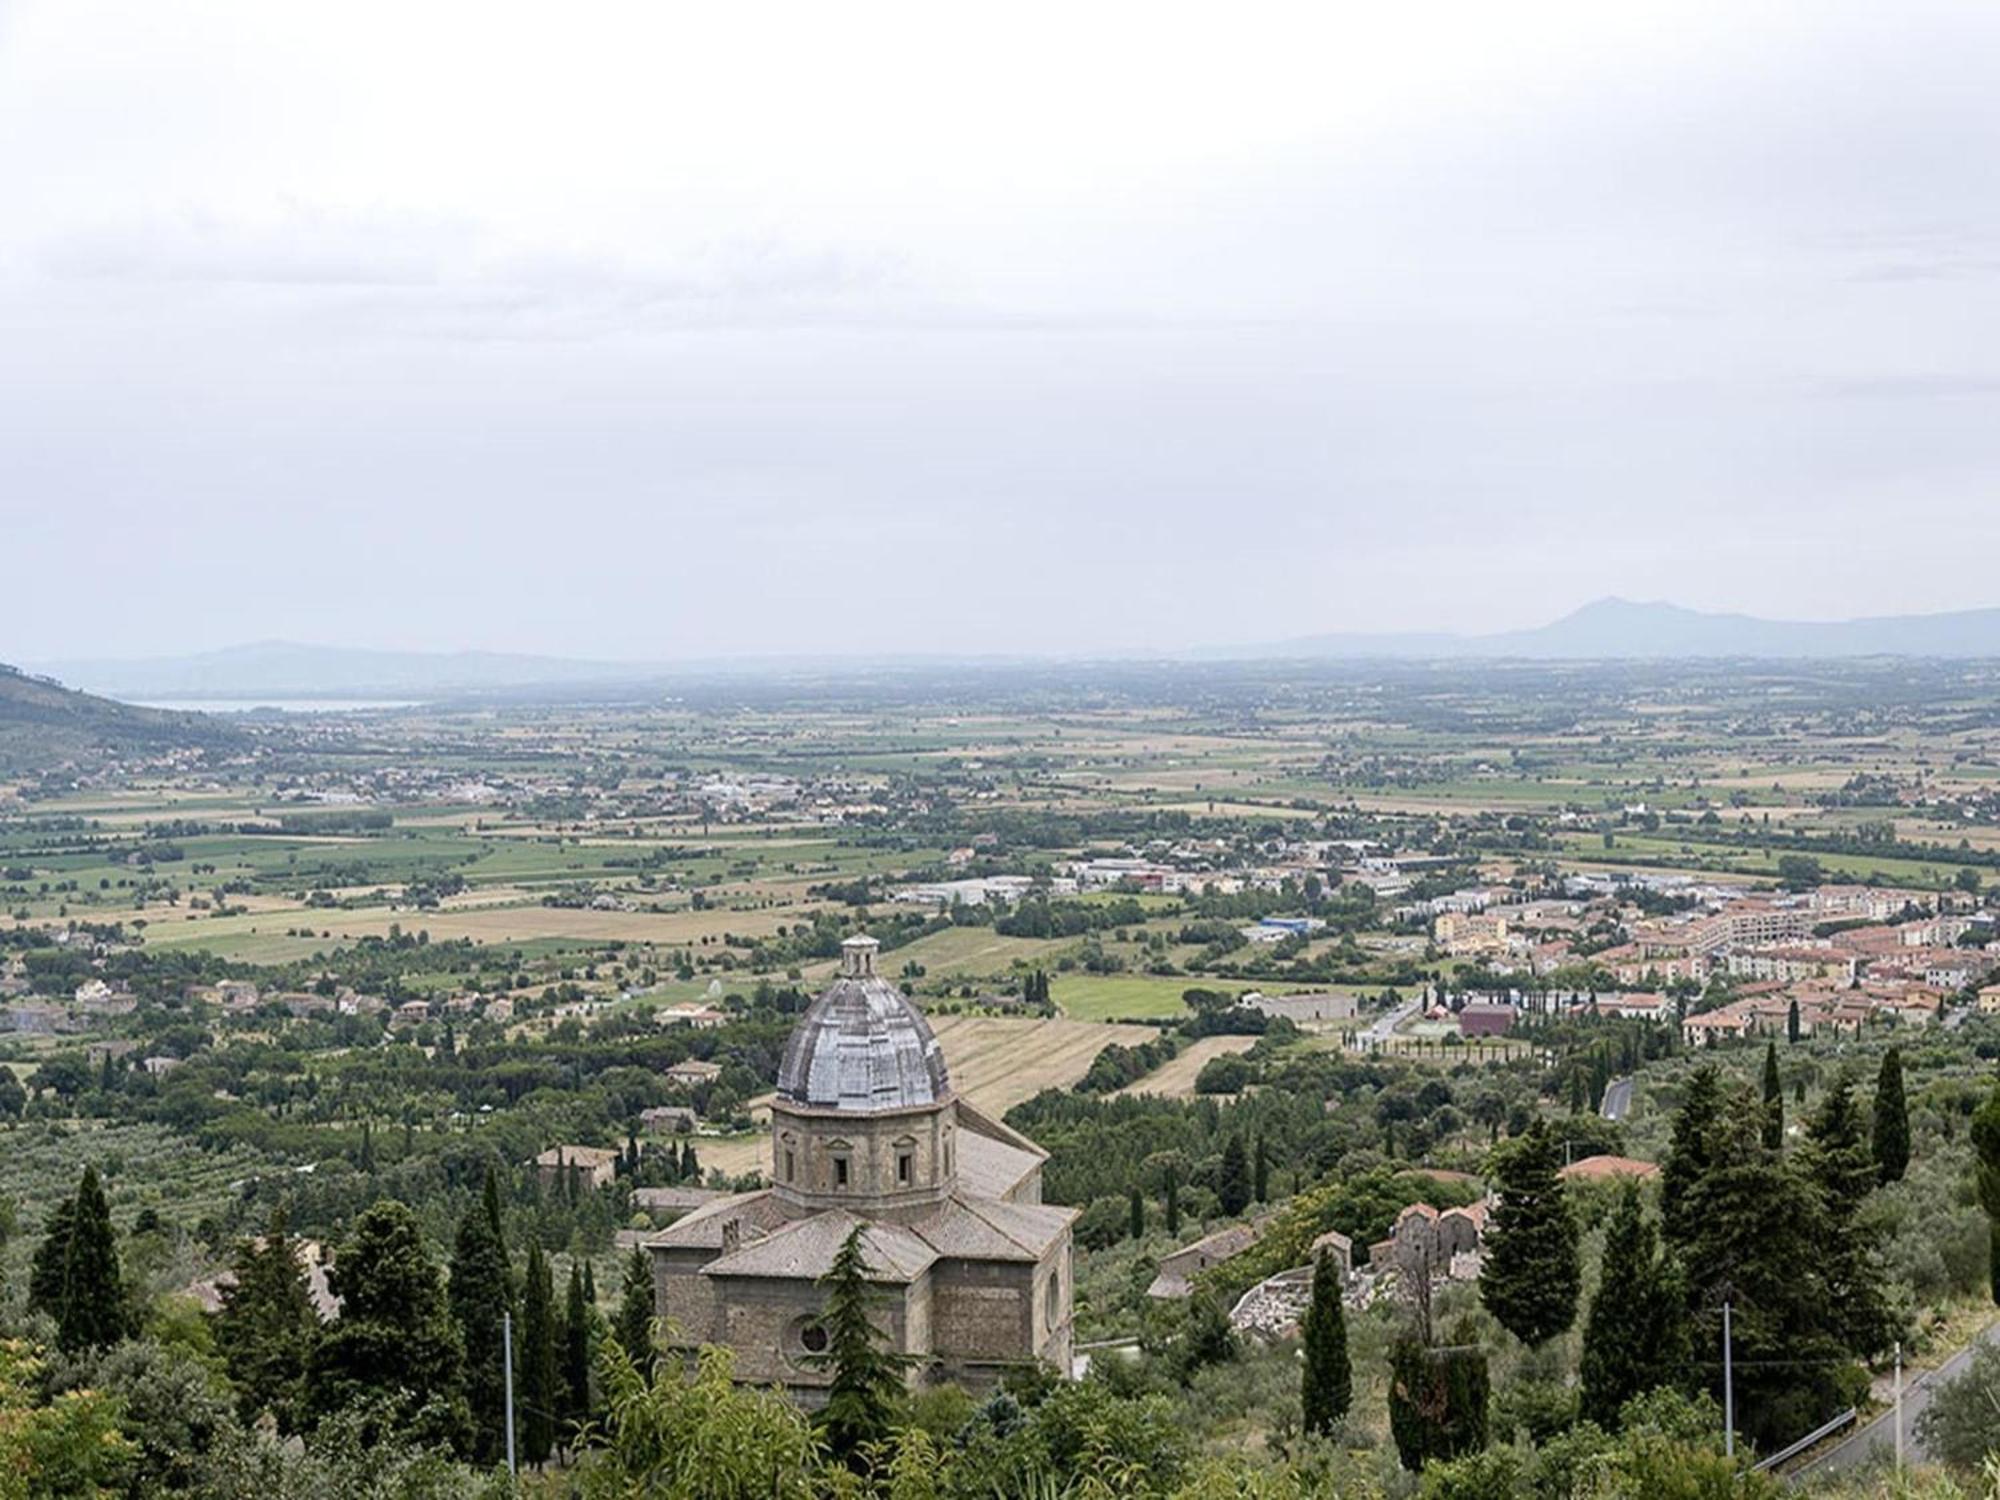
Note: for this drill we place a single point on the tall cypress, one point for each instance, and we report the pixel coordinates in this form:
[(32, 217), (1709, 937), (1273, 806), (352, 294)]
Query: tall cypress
[(481, 1293), (1137, 1227), (1232, 1182), (76, 1279), (1690, 1152), (1845, 1171), (1635, 1335), (1260, 1171), (1792, 1027), (1326, 1380), (1532, 1277), (1892, 1119), (540, 1373), (635, 1311), (576, 1351), (1774, 1100)]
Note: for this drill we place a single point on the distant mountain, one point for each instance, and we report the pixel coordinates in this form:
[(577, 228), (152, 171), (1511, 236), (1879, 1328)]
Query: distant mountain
[(43, 724), (1621, 629), (281, 670)]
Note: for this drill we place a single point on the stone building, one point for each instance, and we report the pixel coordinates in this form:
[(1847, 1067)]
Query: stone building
[(973, 1270)]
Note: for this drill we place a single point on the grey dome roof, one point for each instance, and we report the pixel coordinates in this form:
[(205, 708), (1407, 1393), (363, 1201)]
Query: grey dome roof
[(863, 1046)]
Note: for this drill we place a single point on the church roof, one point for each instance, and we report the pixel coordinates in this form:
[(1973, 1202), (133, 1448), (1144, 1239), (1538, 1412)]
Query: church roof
[(804, 1250), (862, 1045)]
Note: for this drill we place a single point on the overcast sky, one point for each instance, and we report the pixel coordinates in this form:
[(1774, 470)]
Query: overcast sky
[(672, 330)]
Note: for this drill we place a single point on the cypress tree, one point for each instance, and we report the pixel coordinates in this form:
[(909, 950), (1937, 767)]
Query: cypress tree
[(1532, 1277), (576, 1351), (861, 1400), (481, 1291), (1690, 1152), (1635, 1335), (1173, 1207), (1986, 1148), (540, 1374), (1792, 1027), (690, 1163), (1437, 1400), (1892, 1119), (1774, 1100), (1260, 1172), (267, 1325), (1326, 1381), (635, 1312), (367, 1162), (45, 1274), (89, 1303), (1138, 1207), (1845, 1171), (1232, 1182)]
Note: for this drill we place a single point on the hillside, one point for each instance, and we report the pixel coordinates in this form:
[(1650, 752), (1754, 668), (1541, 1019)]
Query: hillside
[(44, 725)]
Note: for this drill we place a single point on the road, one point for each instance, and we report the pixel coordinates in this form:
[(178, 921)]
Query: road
[(1378, 1032), (1880, 1434), (1617, 1098)]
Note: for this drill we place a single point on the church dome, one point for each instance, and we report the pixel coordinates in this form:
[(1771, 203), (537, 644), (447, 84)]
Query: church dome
[(862, 1045)]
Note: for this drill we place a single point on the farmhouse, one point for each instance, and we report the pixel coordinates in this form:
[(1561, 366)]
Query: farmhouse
[(693, 1072), (971, 1269), (1178, 1270), (562, 1167)]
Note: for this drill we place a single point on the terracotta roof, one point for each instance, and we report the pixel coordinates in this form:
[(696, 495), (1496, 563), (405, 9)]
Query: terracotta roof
[(1593, 1168)]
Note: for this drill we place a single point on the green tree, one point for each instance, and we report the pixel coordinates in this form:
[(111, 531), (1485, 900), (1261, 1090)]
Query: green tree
[(1532, 1278), (1635, 1335), (1437, 1400), (1892, 1119), (1960, 1425), (1774, 1100), (68, 1447), (1260, 1171), (75, 1277), (1792, 1027), (576, 1351), (481, 1293), (635, 1312), (1232, 1179), (1986, 1146), (267, 1325), (1751, 1233), (1690, 1150), (1326, 1381), (1136, 1212), (541, 1373), (1842, 1166), (867, 1379), (394, 1337)]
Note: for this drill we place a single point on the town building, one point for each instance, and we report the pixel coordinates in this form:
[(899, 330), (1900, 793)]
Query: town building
[(563, 1168)]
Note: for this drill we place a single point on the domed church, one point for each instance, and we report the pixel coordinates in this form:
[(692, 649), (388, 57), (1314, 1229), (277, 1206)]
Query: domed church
[(972, 1268)]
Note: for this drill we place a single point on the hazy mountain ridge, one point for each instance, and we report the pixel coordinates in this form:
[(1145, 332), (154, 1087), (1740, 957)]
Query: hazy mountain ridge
[(1607, 630), (1611, 629)]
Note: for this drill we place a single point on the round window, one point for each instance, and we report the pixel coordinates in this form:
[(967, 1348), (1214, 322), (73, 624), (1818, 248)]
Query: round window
[(812, 1338)]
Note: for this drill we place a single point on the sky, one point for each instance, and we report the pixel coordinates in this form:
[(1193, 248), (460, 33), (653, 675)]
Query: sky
[(673, 330)]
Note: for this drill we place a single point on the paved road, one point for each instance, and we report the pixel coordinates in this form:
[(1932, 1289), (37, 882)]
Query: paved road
[(1617, 1098), (1379, 1032), (1880, 1434)]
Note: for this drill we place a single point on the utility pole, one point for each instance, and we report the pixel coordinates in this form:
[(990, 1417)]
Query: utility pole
[(507, 1380), (1728, 1390), (1899, 1406)]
